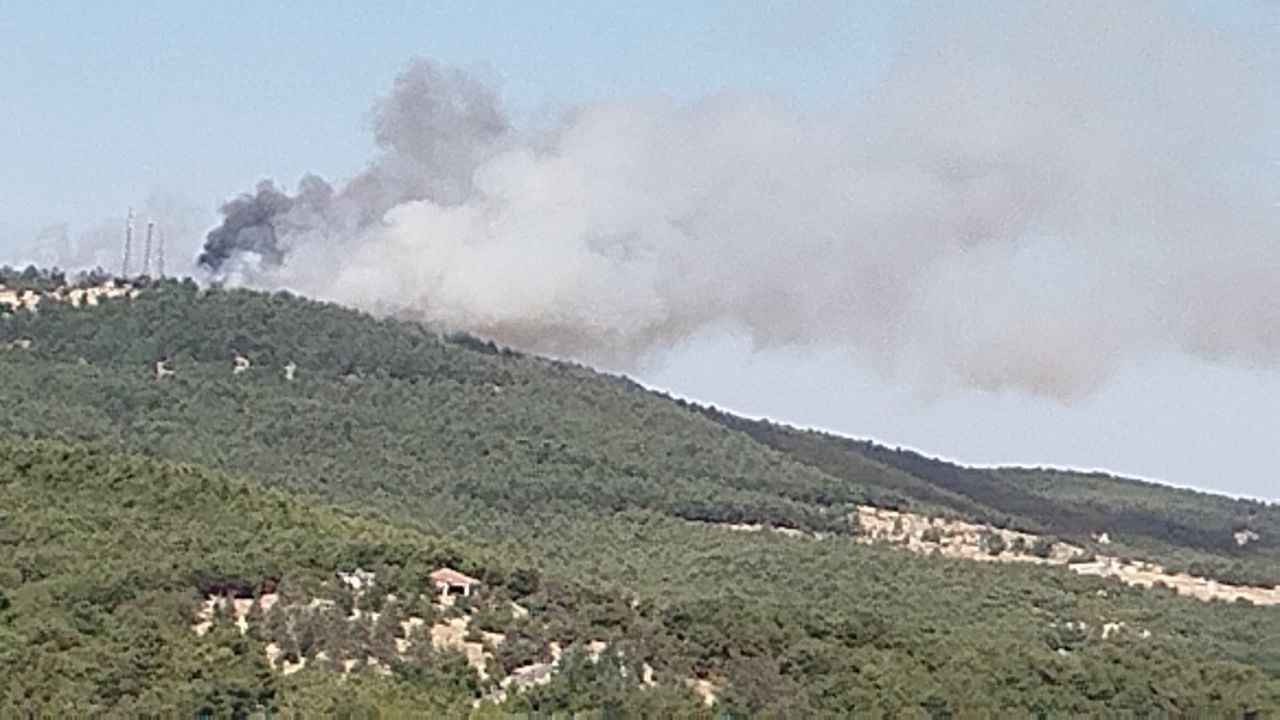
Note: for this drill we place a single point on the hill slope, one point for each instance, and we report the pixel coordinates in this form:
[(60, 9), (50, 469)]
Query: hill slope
[(577, 437), (598, 483), (108, 558), (518, 432), (108, 555), (1229, 539)]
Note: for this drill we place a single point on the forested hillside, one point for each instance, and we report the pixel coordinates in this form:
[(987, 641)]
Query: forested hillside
[(1211, 535), (109, 555), (617, 499), (512, 432)]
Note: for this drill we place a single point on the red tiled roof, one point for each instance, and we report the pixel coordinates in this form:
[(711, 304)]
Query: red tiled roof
[(451, 576)]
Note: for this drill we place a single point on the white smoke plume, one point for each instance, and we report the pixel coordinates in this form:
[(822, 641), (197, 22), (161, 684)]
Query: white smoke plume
[(1022, 202)]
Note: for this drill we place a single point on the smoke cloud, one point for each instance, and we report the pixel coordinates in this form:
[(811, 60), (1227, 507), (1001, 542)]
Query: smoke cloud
[(434, 130), (1026, 199)]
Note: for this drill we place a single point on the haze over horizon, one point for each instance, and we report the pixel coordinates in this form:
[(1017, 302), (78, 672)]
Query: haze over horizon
[(1017, 235)]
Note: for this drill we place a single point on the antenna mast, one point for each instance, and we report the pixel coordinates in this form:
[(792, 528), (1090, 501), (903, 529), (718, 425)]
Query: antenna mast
[(128, 244), (160, 256), (146, 253)]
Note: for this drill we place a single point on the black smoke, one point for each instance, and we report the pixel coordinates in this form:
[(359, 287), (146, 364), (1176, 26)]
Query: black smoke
[(248, 226), (432, 130)]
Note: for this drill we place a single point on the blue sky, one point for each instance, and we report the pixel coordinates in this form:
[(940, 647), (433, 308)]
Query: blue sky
[(103, 104)]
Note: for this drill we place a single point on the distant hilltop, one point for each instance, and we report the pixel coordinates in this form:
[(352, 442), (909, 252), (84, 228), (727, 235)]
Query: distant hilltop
[(27, 287), (77, 295)]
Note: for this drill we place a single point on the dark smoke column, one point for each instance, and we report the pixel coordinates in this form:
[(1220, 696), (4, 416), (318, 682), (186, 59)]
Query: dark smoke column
[(248, 226), (434, 128)]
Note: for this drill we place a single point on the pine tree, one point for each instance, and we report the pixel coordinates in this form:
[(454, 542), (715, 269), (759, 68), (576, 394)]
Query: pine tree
[(256, 618), (421, 649), (275, 626), (384, 631)]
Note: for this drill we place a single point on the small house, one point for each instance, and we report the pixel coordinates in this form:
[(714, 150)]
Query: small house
[(451, 582)]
